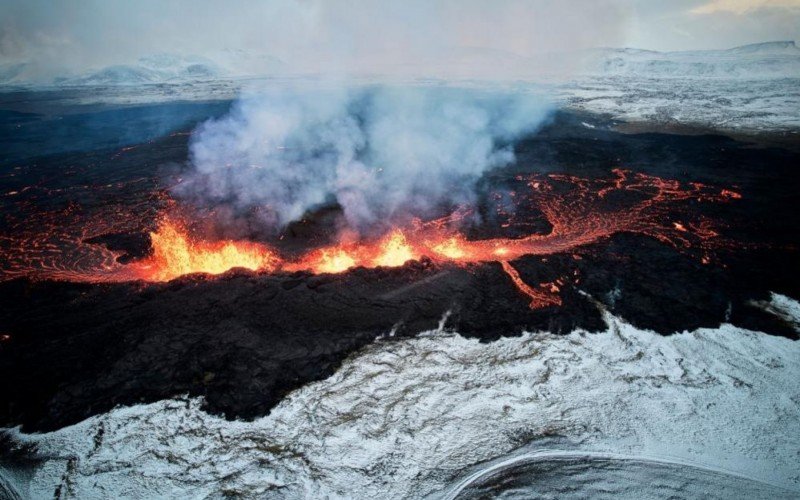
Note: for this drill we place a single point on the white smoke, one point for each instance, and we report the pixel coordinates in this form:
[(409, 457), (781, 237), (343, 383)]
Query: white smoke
[(383, 154)]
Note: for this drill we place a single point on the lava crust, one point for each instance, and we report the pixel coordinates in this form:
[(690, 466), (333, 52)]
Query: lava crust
[(244, 339)]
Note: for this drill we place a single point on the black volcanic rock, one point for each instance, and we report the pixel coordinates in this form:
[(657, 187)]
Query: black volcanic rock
[(243, 340), (133, 246)]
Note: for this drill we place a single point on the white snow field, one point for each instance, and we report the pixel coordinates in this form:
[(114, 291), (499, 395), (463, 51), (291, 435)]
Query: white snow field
[(432, 416), (753, 88)]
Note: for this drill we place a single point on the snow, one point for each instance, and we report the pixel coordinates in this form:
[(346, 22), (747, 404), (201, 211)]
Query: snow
[(753, 88), (556, 473), (725, 104), (750, 89), (151, 69), (785, 308), (757, 61), (417, 417)]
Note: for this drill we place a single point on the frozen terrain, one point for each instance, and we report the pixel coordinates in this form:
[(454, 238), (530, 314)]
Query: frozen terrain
[(439, 415), (752, 88), (714, 409)]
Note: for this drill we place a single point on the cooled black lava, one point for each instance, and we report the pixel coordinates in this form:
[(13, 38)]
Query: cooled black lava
[(244, 339)]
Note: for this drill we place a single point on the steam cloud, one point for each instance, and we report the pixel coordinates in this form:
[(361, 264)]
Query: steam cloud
[(383, 154)]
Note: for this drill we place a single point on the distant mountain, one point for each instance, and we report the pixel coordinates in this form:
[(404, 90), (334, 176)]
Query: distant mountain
[(756, 61), (761, 60), (155, 68), (785, 47)]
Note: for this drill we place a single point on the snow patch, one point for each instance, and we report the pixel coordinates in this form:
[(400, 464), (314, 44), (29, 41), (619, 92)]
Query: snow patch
[(783, 307), (408, 418)]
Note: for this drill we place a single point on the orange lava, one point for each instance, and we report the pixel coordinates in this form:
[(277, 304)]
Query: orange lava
[(580, 212), (544, 296), (390, 251), (175, 254)]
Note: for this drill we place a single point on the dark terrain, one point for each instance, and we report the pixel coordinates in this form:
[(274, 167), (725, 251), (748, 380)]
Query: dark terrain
[(244, 340)]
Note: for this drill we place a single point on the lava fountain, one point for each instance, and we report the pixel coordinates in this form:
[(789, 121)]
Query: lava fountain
[(175, 253), (580, 211)]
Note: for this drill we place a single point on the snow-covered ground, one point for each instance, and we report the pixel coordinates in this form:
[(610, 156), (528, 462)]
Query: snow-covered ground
[(426, 416), (727, 104), (435, 414), (757, 61), (750, 89)]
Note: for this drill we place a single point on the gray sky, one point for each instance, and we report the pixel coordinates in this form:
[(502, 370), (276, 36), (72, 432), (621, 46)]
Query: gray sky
[(93, 33), (710, 24)]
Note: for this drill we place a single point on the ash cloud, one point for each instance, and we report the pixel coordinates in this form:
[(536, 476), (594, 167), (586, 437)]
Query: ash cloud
[(383, 154)]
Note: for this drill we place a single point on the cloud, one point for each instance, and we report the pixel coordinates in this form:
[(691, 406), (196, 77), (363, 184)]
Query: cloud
[(711, 24), (740, 7), (309, 36)]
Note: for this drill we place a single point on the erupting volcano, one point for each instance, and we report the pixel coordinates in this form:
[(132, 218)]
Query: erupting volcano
[(124, 283), (438, 249), (578, 210)]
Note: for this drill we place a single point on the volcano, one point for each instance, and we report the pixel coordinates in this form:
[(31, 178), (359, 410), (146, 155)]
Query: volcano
[(118, 294)]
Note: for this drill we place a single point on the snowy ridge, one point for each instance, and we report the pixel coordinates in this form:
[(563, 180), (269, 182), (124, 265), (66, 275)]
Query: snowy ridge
[(757, 61), (411, 418), (753, 88), (152, 69)]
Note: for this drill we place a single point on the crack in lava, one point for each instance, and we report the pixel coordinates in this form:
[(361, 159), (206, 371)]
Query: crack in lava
[(580, 211)]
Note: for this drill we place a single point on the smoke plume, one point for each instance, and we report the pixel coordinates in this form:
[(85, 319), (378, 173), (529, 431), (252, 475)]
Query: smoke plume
[(382, 154)]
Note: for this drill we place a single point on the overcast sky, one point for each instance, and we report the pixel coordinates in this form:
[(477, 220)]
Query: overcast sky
[(91, 33)]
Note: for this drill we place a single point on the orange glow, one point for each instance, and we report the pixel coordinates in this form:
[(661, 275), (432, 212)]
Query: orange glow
[(391, 251), (330, 260), (395, 251), (176, 254), (579, 212), (544, 296), (451, 248), (727, 193)]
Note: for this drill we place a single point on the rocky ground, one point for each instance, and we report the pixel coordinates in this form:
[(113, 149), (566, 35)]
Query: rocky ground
[(244, 340)]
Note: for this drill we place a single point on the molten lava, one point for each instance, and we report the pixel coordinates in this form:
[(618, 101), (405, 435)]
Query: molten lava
[(176, 254), (544, 296), (391, 251), (580, 211), (331, 260)]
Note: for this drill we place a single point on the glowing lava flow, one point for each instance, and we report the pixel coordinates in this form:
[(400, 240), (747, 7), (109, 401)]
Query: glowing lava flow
[(391, 251), (579, 211), (546, 296), (175, 254)]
